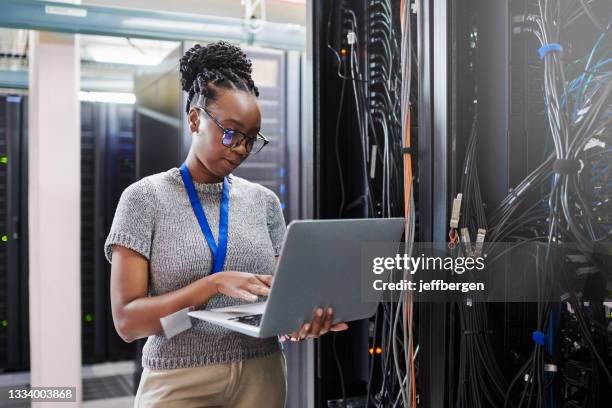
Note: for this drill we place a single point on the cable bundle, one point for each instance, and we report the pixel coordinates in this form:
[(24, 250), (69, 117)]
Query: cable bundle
[(390, 97), (563, 200), (379, 91), (385, 103), (566, 199), (480, 381)]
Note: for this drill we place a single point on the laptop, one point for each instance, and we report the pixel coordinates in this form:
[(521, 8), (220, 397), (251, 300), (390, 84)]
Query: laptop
[(319, 265)]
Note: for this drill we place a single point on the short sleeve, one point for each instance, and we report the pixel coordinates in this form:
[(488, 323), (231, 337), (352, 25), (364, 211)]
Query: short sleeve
[(134, 220), (276, 223)]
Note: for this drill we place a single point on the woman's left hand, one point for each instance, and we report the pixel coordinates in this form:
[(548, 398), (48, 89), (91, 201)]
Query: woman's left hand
[(321, 324)]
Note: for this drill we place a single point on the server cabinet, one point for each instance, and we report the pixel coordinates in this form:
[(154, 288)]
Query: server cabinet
[(483, 65), (107, 168), (159, 116), (107, 160), (14, 330), (357, 167)]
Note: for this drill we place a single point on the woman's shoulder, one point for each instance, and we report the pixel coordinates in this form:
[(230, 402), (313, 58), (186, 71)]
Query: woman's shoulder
[(250, 187), (151, 186)]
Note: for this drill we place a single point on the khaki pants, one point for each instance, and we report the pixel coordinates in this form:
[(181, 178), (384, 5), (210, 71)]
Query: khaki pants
[(252, 383)]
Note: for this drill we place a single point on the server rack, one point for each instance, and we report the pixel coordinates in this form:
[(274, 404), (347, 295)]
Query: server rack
[(14, 330), (479, 68), (107, 168), (270, 167), (355, 57), (495, 74)]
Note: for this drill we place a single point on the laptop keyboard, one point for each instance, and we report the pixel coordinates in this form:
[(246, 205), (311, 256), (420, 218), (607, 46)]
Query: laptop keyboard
[(253, 320)]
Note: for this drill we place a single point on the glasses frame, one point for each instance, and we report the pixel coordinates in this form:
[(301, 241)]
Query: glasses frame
[(226, 141)]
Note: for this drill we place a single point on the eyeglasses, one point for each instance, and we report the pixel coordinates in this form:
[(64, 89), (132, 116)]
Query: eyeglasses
[(234, 138)]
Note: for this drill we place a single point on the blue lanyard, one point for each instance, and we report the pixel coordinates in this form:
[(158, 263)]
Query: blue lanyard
[(218, 253)]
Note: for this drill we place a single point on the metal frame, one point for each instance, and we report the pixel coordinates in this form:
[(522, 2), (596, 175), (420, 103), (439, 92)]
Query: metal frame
[(99, 269), (307, 121), (441, 114), (19, 80), (123, 22), (17, 300), (425, 167), (493, 97), (14, 79), (301, 380), (434, 146), (293, 79)]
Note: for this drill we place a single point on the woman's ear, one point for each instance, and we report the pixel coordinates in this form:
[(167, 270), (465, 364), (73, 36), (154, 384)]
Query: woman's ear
[(194, 120)]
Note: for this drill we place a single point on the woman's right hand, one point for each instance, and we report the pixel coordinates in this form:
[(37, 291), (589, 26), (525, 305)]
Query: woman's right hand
[(242, 285)]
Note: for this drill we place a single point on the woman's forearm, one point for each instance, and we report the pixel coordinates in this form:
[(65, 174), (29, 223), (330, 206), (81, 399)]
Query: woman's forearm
[(140, 317)]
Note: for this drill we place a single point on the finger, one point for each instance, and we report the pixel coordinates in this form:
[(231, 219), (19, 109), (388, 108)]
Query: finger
[(242, 294), (339, 327), (266, 279), (260, 290), (329, 317), (316, 322), (303, 332)]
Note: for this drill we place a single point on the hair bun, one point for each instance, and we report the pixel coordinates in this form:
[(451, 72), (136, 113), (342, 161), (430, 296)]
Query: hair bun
[(220, 64), (212, 58), (189, 65)]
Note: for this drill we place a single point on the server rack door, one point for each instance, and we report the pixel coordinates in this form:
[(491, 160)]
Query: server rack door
[(269, 167), (107, 168), (91, 346), (14, 343), (159, 128), (119, 172)]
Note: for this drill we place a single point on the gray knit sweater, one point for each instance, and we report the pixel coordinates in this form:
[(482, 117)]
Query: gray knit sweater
[(154, 218)]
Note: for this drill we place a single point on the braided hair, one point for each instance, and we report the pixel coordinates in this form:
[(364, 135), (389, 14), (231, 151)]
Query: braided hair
[(221, 64)]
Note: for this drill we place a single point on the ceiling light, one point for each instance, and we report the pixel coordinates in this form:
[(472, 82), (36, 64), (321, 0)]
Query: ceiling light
[(107, 97), (122, 55)]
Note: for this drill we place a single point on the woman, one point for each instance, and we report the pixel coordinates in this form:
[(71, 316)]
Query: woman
[(200, 237)]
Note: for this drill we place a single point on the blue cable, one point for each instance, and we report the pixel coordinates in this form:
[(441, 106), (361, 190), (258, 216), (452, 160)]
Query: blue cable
[(586, 68)]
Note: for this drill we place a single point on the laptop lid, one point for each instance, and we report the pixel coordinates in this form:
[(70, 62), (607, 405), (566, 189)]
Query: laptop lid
[(320, 265)]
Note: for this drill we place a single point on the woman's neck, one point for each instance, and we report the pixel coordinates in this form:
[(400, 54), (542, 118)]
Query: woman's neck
[(199, 172)]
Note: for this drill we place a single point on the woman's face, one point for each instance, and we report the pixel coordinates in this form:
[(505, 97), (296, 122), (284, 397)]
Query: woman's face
[(234, 109)]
